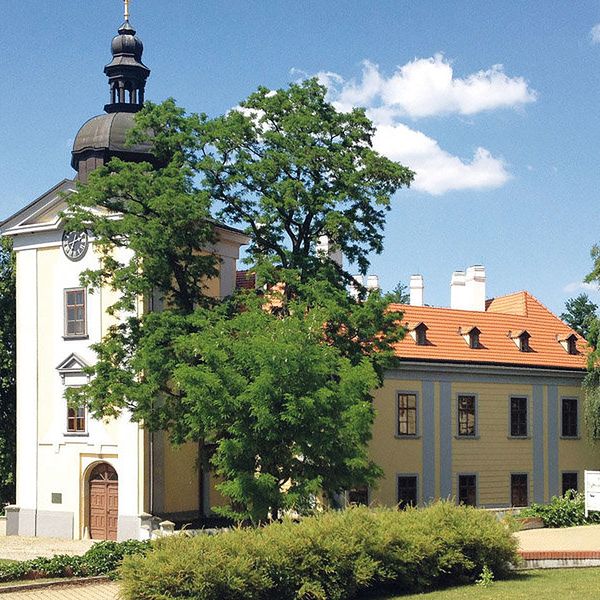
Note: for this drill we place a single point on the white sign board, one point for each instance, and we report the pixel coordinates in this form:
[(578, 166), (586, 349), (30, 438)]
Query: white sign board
[(592, 491)]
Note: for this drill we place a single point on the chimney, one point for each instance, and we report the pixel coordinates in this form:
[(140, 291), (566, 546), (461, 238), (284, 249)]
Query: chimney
[(372, 282), (458, 291), (416, 290), (326, 248), (467, 289), (475, 284), (354, 289)]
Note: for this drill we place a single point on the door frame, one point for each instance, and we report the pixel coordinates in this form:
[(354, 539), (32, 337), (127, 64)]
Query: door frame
[(86, 496)]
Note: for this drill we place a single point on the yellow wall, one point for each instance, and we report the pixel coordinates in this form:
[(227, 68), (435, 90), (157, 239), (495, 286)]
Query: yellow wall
[(493, 455), (181, 485), (576, 454), (392, 454)]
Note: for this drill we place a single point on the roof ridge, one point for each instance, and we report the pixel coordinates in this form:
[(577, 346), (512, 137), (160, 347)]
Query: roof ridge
[(556, 317), (513, 295)]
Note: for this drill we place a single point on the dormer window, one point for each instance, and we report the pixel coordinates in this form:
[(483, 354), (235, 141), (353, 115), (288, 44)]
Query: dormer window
[(568, 342), (521, 340), (471, 336), (418, 332)]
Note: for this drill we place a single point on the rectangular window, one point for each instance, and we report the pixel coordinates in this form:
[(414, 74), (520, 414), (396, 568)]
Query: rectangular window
[(407, 414), (75, 313), (474, 339), (76, 420), (359, 496), (407, 491), (518, 490), (569, 417), (518, 417), (466, 416), (467, 490), (569, 482)]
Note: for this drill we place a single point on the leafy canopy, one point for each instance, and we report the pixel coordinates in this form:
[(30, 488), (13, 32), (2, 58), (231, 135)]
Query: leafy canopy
[(151, 227), (580, 313), (279, 383), (591, 384), (399, 295)]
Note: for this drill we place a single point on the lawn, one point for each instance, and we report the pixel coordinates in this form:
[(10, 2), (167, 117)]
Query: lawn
[(563, 584)]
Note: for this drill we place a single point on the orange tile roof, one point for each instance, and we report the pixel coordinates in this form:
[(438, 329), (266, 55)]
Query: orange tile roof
[(514, 312)]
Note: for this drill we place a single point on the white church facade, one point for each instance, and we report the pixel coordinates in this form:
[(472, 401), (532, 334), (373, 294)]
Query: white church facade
[(76, 476)]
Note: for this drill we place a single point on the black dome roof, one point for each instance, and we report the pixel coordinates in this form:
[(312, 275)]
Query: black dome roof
[(104, 136), (108, 132)]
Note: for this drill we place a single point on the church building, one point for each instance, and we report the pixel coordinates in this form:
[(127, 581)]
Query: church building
[(76, 476)]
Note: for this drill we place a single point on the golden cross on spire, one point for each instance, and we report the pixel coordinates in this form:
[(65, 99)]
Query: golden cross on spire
[(126, 10)]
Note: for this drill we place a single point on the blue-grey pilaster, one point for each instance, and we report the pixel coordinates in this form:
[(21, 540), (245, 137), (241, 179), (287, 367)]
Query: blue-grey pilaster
[(538, 443), (428, 430), (552, 448), (445, 439)]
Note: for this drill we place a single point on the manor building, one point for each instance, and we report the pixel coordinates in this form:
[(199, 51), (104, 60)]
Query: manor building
[(485, 405)]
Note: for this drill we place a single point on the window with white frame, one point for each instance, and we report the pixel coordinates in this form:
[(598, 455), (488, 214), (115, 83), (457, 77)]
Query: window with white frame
[(75, 313)]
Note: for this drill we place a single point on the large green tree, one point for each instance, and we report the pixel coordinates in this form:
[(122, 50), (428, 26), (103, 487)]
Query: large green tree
[(591, 383), (7, 372), (289, 169), (580, 314), (399, 295)]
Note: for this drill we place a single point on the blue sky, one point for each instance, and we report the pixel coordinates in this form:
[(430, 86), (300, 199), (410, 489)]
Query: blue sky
[(508, 157)]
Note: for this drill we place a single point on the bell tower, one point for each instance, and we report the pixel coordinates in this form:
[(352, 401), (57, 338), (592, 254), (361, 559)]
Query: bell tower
[(105, 136), (126, 73)]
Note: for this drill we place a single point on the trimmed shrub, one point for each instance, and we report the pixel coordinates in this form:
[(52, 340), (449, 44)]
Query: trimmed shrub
[(103, 558), (332, 556), (562, 511)]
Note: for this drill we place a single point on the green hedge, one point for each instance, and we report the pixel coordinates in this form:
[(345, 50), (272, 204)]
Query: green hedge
[(336, 555), (562, 511), (103, 558)]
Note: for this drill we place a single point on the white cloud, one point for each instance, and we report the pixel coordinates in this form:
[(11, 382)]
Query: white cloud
[(595, 34), (427, 87), (438, 171), (580, 286)]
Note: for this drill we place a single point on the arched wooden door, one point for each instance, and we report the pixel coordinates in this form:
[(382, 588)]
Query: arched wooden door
[(104, 502)]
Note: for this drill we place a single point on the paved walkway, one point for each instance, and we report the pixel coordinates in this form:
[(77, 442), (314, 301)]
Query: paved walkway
[(101, 591), (24, 548), (583, 538)]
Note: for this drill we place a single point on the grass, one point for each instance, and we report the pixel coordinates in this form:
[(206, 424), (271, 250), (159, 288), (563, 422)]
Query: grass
[(562, 584)]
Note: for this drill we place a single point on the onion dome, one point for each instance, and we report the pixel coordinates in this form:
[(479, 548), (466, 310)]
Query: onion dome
[(126, 73), (127, 43)]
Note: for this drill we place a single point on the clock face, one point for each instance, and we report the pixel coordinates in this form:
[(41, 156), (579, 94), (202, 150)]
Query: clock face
[(75, 244)]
